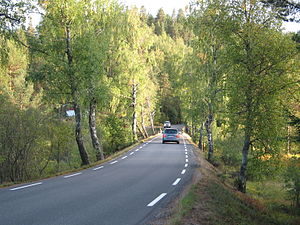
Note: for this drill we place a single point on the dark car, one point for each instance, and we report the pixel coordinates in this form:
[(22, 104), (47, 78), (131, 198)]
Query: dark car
[(167, 124), (171, 135)]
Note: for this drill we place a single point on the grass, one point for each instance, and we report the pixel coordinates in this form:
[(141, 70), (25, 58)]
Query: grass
[(214, 201), (274, 197), (185, 205), (238, 208)]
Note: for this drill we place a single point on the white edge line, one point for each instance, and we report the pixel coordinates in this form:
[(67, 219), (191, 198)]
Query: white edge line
[(124, 157), (72, 175), (131, 153), (183, 171), (26, 186), (156, 200), (176, 181), (98, 168), (113, 162)]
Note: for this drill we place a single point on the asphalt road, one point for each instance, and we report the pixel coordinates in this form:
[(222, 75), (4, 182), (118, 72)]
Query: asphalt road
[(129, 190)]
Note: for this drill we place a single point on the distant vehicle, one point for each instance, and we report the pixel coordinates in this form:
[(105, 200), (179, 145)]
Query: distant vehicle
[(167, 124), (170, 135)]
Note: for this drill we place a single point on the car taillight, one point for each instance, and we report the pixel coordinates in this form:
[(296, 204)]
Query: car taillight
[(164, 135), (177, 136)]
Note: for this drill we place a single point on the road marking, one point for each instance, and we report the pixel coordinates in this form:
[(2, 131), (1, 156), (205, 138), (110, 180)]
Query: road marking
[(176, 181), (186, 165), (131, 153), (26, 186), (137, 150), (141, 147), (187, 160), (183, 171), (113, 162), (98, 168), (186, 153), (124, 157), (72, 175), (186, 156), (156, 200)]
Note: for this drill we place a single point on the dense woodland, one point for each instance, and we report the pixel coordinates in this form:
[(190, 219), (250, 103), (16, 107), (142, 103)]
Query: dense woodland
[(224, 68)]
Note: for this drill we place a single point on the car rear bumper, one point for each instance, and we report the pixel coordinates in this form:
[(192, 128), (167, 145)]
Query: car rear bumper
[(170, 140)]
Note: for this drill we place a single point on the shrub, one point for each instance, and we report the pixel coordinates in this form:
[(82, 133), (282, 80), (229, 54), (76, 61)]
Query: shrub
[(292, 180)]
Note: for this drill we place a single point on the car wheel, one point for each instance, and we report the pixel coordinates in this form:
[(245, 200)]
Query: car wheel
[(163, 142), (177, 142)]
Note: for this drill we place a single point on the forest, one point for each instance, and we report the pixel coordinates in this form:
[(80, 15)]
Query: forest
[(224, 68)]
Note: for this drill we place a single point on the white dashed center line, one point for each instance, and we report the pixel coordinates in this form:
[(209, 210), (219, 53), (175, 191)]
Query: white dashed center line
[(98, 168), (186, 165), (72, 175), (183, 171), (131, 153), (186, 160), (176, 181), (186, 156), (113, 162), (156, 200), (26, 186), (124, 157)]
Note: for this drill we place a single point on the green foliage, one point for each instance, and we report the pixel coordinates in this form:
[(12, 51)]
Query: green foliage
[(13, 14), (19, 136), (228, 147), (228, 59), (116, 134), (292, 180)]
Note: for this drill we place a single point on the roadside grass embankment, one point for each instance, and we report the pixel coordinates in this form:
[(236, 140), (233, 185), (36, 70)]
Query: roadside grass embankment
[(213, 200)]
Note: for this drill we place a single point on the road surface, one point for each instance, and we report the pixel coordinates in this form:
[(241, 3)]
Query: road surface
[(128, 190)]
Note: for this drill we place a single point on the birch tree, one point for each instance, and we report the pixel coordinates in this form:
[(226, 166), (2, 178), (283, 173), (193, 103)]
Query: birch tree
[(261, 56), (211, 27), (60, 32)]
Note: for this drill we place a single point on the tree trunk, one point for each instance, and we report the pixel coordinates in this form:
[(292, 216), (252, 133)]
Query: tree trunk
[(247, 139), (93, 131), (200, 143), (74, 95), (208, 124), (288, 139), (243, 171), (141, 131), (134, 120), (143, 122), (79, 137), (151, 116)]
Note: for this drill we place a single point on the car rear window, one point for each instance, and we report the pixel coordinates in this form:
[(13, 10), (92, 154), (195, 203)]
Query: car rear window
[(171, 131)]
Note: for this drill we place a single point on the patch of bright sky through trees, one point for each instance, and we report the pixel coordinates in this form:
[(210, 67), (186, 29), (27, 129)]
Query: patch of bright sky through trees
[(152, 7)]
